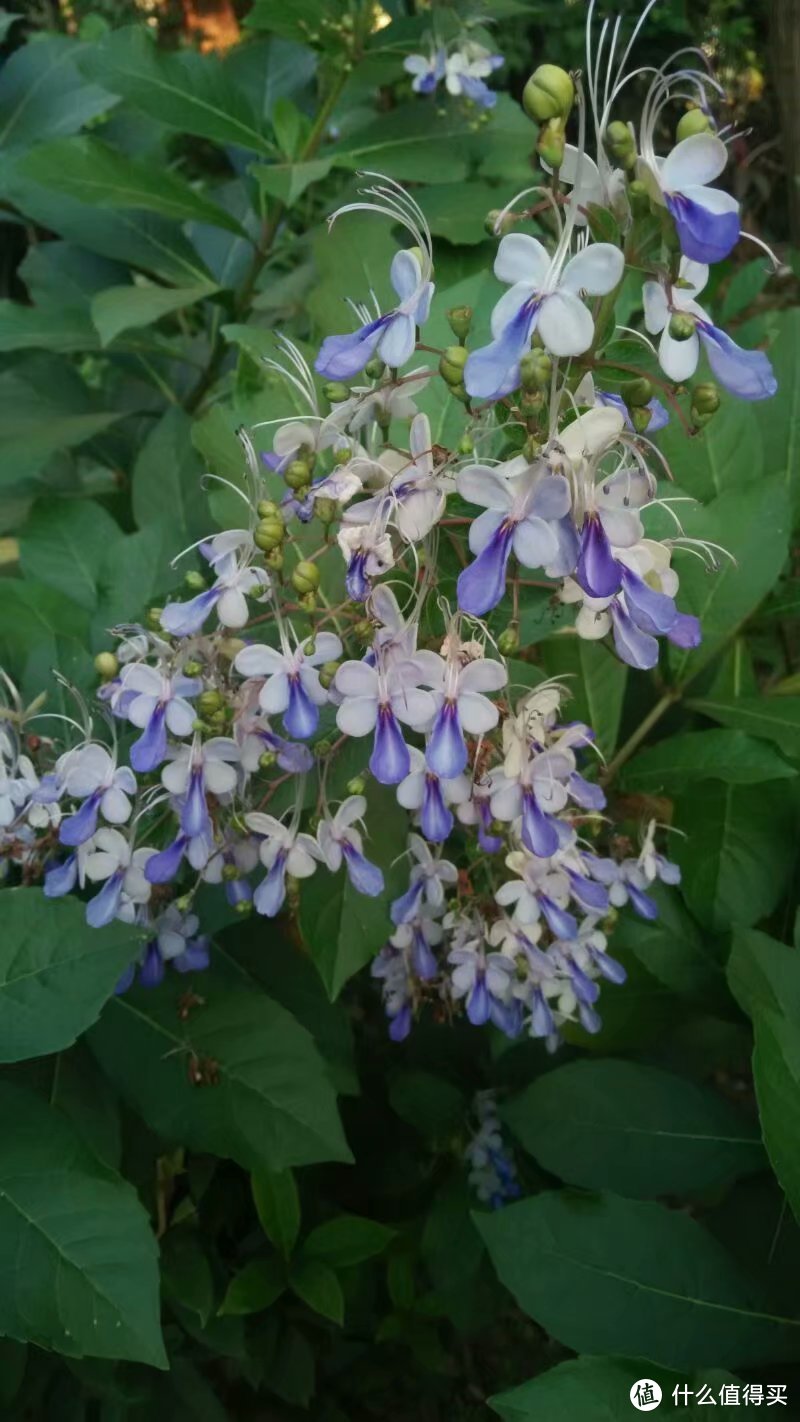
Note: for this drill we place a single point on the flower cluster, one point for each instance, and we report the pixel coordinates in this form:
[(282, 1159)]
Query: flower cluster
[(325, 624), (463, 68)]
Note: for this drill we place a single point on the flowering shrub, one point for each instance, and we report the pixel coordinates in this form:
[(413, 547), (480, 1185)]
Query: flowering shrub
[(367, 709)]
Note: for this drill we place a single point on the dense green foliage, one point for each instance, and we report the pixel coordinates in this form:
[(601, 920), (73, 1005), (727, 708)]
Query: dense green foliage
[(231, 1196)]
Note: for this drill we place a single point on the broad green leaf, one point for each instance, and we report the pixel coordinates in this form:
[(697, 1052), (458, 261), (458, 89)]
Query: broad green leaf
[(166, 490), (317, 1285), (731, 756), (739, 851), (270, 69), (288, 181), (78, 1088), (599, 1390), (43, 92), (65, 545), (135, 572), (278, 1207), (64, 329), (429, 1103), (459, 213), (616, 1125), (55, 972), (255, 1287), (353, 258), (290, 23), (752, 523), (745, 285), (76, 1250), (291, 1375), (595, 681), (268, 1102), (777, 718), (44, 407), (765, 978), (726, 455), (41, 630), (86, 169), (347, 1240), (673, 949), (598, 1272), (186, 1276), (778, 419), (345, 929), (6, 21), (121, 307), (58, 274), (189, 92), (406, 145)]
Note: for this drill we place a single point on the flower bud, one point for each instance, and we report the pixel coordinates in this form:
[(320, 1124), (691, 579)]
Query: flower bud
[(639, 198), (531, 402), (705, 402), (637, 392), (620, 144), (265, 508), (297, 475), (357, 785), (106, 665), (548, 94), (497, 222), (451, 365), (308, 600), (230, 872), (267, 760), (309, 647), (209, 702), (466, 445), (342, 455), (551, 141), (192, 668), (640, 418), (153, 618), (535, 370), (335, 391), (327, 672), (323, 747), (681, 326), (269, 533), (363, 630), (374, 368), (460, 319), (327, 510), (508, 641), (305, 578), (244, 907), (195, 581), (230, 647), (692, 122), (274, 559), (531, 449)]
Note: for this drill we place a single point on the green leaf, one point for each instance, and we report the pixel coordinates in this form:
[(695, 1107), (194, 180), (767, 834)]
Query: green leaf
[(6, 21), (293, 23), (317, 1285), (673, 949), (596, 685), (186, 1277), (43, 93), (288, 181), (41, 631), (739, 853), (599, 1389), (76, 1250), (41, 328), (429, 1103), (459, 213), (189, 92), (79, 1089), (753, 525), (166, 490), (122, 307), (44, 408), (55, 971), (92, 172), (778, 419), (765, 978), (595, 1270), (745, 285), (726, 455), (269, 1104), (278, 1206), (65, 545), (270, 69), (405, 146), (347, 1240), (731, 756), (777, 718), (616, 1125), (255, 1287), (345, 929)]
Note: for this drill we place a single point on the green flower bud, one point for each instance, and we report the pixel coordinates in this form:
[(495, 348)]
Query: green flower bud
[(244, 907), (269, 534), (637, 392), (297, 475), (451, 365), (531, 449), (230, 872), (106, 665), (681, 326), (460, 319), (305, 577), (639, 198), (357, 785), (620, 144), (192, 668), (274, 559), (309, 647), (267, 760), (548, 94), (154, 615), (705, 402), (327, 510), (327, 672), (692, 122), (374, 368), (498, 827), (497, 224), (535, 370), (640, 418), (308, 600), (551, 141), (230, 647), (508, 641), (323, 747), (195, 582), (343, 455), (335, 391), (265, 508), (466, 445), (209, 702), (363, 630)]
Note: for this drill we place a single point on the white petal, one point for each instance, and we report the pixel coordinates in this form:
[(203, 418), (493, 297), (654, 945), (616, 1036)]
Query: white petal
[(521, 259), (258, 660), (597, 269), (565, 324), (274, 694), (534, 543), (396, 345), (357, 715), (219, 778), (509, 306), (413, 706), (232, 609), (411, 791), (419, 442), (698, 159), (350, 810), (357, 679), (712, 199), (591, 432), (696, 273), (480, 485), (477, 713), (180, 716), (142, 678), (483, 675), (678, 359), (327, 648), (141, 709), (623, 526), (312, 686), (293, 436), (175, 776), (116, 806), (405, 274)]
